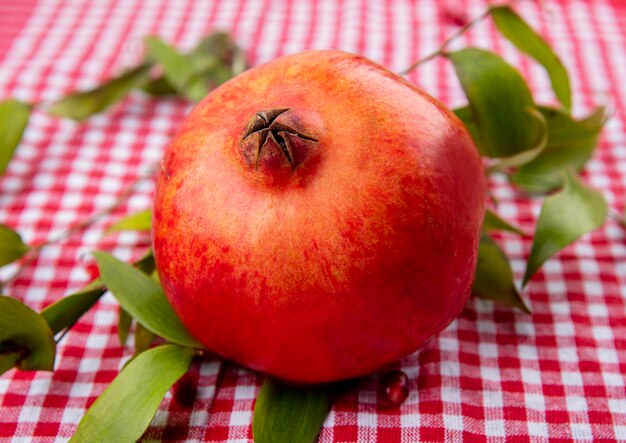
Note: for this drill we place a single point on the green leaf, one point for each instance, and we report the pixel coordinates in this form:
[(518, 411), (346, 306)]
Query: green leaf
[(239, 63), (14, 117), (570, 144), (143, 298), (494, 278), (139, 221), (525, 157), (81, 105), (493, 222), (565, 217), (11, 245), (143, 338), (25, 338), (177, 69), (528, 41), (158, 87), (216, 48), (464, 114), (66, 311), (125, 409), (124, 320), (288, 413), (502, 108), (8, 359), (596, 119), (519, 159), (215, 59)]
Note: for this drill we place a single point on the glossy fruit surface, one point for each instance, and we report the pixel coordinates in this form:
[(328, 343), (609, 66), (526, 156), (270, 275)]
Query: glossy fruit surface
[(318, 217)]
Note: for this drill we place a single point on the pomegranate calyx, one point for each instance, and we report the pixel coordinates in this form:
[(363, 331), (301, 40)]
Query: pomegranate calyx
[(267, 130), (262, 119)]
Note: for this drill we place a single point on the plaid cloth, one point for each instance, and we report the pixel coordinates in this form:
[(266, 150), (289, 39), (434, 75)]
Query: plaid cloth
[(494, 375)]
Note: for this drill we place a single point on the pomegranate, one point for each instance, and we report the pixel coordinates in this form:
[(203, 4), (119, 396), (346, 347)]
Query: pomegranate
[(317, 218)]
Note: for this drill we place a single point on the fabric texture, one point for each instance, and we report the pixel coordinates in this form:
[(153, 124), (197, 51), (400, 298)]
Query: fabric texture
[(493, 375)]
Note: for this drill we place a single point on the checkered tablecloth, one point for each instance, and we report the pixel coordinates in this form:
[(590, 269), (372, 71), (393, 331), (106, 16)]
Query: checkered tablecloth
[(495, 374)]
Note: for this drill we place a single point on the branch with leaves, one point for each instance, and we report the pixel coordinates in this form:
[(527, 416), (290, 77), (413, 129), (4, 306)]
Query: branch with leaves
[(538, 148), (163, 72)]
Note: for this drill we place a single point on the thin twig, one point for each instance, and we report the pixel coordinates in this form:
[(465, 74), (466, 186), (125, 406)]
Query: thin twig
[(620, 219), (441, 50), (35, 250), (446, 42)]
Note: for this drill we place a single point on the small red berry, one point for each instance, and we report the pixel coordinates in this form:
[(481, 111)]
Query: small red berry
[(184, 391), (393, 388)]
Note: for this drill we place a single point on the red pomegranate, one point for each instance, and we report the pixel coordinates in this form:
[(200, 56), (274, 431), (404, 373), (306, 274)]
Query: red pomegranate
[(317, 218)]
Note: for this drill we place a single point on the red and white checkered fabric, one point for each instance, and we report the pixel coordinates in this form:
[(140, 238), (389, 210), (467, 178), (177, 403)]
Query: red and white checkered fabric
[(494, 375)]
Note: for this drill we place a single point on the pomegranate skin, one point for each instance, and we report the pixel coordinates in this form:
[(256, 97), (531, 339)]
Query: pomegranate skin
[(336, 267)]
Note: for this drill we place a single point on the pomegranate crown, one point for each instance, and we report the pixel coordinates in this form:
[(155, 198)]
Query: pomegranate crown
[(272, 132)]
